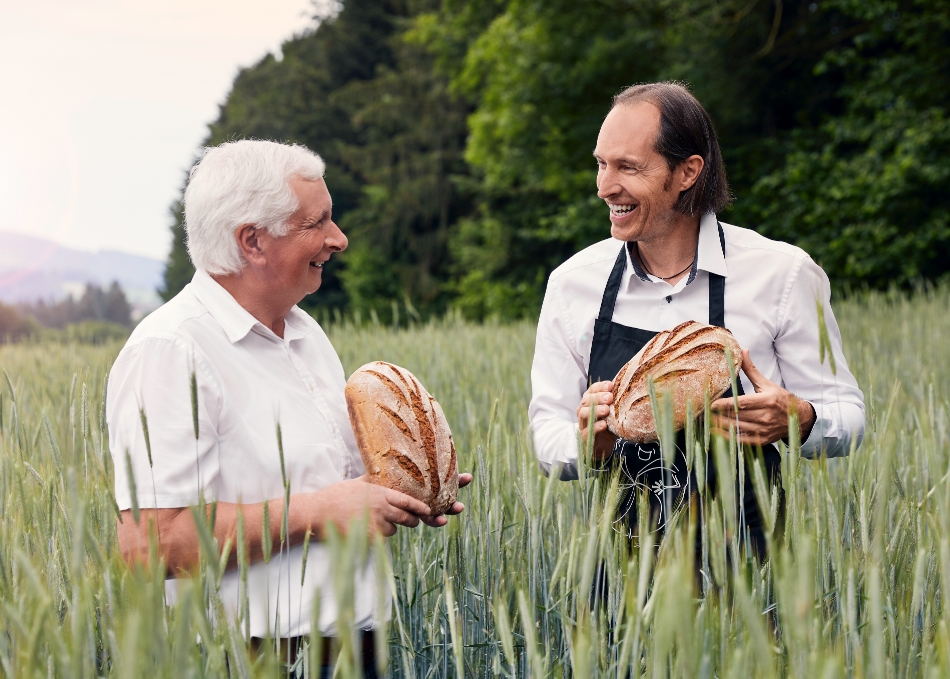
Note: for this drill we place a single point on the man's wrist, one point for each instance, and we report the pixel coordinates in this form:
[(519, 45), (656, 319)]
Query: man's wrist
[(602, 454), (306, 513)]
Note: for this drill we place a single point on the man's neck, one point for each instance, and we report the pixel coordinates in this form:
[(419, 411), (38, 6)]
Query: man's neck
[(255, 298), (670, 254)]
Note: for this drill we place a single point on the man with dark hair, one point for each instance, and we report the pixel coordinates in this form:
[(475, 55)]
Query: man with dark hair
[(670, 260)]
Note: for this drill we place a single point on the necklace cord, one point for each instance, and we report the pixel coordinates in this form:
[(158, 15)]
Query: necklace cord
[(643, 264)]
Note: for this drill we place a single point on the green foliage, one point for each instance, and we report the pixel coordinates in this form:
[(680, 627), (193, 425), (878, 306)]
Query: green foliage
[(865, 191), (294, 100), (18, 327), (96, 304), (541, 76), (178, 267), (458, 134), (88, 332), (857, 587), (412, 135), (14, 326)]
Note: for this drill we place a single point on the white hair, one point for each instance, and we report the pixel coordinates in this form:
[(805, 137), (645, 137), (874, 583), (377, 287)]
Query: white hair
[(242, 182)]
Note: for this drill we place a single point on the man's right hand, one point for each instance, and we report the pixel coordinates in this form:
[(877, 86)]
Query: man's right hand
[(601, 394), (346, 502)]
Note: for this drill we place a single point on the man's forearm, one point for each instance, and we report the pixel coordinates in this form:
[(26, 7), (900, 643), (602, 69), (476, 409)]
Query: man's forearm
[(345, 505), (178, 534)]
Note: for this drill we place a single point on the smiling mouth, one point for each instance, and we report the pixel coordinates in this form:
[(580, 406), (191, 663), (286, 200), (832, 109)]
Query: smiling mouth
[(618, 210), (318, 265)]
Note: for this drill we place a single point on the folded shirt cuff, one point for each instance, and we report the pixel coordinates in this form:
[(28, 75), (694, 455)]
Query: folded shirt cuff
[(811, 446)]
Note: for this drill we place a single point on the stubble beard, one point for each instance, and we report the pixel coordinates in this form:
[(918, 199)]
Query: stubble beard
[(652, 226), (655, 224)]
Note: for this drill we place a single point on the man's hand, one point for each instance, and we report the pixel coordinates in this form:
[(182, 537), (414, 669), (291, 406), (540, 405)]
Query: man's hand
[(346, 502), (457, 508), (763, 416), (601, 394)]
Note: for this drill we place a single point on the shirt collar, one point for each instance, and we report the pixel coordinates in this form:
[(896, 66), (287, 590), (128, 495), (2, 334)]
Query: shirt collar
[(237, 321), (296, 324), (709, 256)]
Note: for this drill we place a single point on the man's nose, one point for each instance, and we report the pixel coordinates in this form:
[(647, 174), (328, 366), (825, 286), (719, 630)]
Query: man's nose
[(336, 240), (607, 183)]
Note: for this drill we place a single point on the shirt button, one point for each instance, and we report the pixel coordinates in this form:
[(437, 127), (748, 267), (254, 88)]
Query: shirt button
[(669, 298)]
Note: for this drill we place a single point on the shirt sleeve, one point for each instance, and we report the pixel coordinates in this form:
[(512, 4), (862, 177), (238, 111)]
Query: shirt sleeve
[(829, 387), (154, 377), (558, 381)]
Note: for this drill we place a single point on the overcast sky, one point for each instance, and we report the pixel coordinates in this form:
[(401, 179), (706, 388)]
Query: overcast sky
[(104, 103)]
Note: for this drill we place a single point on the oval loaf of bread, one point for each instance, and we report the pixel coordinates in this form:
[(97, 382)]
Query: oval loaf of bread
[(684, 362), (402, 434)]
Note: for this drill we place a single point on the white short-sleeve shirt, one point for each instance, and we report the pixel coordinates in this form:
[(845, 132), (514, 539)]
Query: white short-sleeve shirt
[(248, 379)]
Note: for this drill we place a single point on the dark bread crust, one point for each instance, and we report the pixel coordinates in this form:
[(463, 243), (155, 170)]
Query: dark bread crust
[(669, 351), (654, 345), (680, 332), (402, 434), (683, 362)]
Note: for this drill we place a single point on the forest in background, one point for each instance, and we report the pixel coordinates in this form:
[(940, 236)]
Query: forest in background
[(98, 316), (458, 135)]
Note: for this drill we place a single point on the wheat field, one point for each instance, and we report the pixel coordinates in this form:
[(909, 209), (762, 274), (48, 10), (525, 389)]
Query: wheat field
[(855, 588)]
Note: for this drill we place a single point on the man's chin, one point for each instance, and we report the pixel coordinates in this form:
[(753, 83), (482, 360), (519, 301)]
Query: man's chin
[(315, 281), (625, 232)]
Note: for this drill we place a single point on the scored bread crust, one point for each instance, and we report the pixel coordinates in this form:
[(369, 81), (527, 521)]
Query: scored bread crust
[(683, 362), (403, 436)]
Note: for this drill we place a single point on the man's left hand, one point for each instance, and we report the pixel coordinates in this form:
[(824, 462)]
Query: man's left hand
[(763, 416), (457, 508)]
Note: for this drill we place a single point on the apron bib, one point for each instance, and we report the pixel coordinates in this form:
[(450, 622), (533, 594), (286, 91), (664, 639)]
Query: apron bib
[(667, 485)]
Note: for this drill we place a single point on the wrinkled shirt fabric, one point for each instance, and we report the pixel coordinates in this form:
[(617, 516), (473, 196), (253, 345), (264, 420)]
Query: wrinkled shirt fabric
[(248, 380), (773, 295)]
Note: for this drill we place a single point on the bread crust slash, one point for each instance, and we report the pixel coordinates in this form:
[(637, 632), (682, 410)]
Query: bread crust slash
[(684, 363), (403, 436)]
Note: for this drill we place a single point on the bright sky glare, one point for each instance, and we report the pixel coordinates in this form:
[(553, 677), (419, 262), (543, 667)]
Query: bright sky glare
[(105, 103)]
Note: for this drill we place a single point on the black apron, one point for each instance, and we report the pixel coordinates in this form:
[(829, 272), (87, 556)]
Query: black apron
[(667, 486)]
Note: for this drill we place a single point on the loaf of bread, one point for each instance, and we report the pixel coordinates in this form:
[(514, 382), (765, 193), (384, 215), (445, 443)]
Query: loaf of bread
[(402, 434), (683, 362)]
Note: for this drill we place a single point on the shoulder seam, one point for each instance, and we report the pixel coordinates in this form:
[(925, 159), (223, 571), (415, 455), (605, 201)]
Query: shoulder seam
[(797, 256), (776, 246), (200, 364)]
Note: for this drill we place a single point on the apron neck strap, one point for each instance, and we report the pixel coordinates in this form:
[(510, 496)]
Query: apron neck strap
[(717, 288), (613, 286)]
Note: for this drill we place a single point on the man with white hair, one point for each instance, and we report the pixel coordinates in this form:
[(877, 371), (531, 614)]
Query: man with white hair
[(216, 369)]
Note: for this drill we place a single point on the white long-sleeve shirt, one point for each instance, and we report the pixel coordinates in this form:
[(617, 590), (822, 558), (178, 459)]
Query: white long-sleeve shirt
[(772, 295), (248, 380)]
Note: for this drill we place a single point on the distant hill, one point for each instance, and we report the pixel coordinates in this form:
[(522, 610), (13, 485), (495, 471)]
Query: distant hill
[(34, 268)]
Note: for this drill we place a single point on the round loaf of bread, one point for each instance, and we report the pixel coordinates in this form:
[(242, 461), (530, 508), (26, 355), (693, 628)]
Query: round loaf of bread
[(683, 362), (402, 434)]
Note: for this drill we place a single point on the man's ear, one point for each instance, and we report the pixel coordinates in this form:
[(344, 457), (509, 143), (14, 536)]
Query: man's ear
[(690, 170), (249, 243)]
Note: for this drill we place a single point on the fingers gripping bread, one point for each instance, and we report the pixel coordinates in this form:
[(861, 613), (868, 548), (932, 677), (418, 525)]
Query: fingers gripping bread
[(402, 434), (684, 362)]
